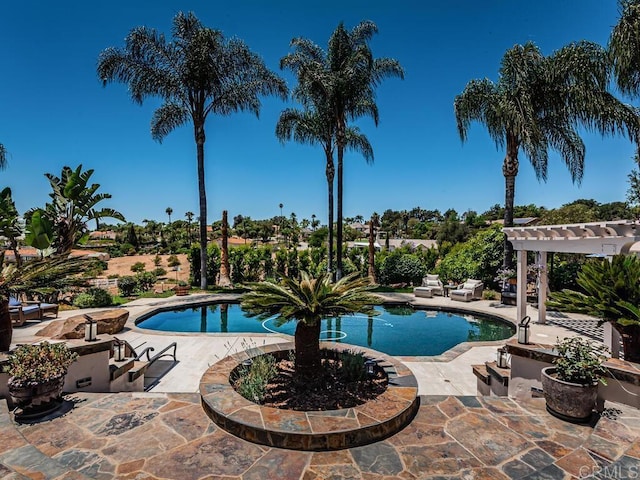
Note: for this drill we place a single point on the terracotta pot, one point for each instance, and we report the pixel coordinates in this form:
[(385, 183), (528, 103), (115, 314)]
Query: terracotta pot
[(181, 290), (36, 396), (569, 401)]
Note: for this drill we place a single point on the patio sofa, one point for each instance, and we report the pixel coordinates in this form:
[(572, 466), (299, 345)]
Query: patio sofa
[(20, 312)]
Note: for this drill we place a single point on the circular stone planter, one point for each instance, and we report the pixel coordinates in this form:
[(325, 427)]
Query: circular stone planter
[(573, 402), (314, 430)]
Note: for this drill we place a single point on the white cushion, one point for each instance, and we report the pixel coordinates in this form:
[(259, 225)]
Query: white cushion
[(433, 277), (469, 286), (433, 283)]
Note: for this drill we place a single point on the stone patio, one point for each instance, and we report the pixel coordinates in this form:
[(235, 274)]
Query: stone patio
[(168, 436)]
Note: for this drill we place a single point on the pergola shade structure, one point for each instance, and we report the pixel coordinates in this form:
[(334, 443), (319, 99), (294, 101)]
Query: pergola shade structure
[(597, 238)]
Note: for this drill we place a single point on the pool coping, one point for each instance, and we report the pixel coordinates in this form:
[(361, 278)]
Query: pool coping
[(325, 430)]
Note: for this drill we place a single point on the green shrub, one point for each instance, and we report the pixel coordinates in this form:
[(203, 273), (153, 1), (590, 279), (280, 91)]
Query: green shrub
[(400, 267), (93, 298), (252, 380), (127, 285), (352, 366), (138, 267), (490, 295), (159, 272)]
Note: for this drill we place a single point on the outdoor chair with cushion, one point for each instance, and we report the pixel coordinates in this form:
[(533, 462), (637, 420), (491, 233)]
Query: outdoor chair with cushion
[(469, 290), (431, 285), (20, 312)]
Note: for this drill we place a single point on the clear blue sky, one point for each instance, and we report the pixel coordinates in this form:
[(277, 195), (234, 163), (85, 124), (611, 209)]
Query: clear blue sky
[(55, 112)]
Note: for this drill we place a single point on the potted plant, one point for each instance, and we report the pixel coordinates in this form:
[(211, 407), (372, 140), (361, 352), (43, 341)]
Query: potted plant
[(182, 288), (571, 386), (36, 375)]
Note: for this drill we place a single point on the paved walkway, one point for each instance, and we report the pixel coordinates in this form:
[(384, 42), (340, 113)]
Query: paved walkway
[(168, 436)]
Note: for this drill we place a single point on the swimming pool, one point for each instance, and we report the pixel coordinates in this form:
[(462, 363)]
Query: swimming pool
[(397, 330)]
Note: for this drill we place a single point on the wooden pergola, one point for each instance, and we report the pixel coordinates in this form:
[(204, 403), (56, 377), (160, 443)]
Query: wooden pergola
[(597, 238)]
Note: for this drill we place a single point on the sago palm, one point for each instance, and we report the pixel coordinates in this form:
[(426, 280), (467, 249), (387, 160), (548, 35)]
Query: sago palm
[(611, 292), (197, 74), (36, 277), (539, 104), (341, 80), (307, 301)]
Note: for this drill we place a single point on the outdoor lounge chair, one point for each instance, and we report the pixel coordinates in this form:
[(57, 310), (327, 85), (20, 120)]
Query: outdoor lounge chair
[(469, 290), (431, 285), (20, 312)]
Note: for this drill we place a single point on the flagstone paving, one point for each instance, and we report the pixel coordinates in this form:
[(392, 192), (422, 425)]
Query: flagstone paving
[(169, 436)]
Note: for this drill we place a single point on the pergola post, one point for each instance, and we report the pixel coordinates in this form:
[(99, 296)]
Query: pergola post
[(543, 281), (521, 292)]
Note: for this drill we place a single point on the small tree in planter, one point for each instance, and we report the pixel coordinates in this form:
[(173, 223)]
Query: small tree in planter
[(307, 301), (611, 293), (36, 374), (571, 386)]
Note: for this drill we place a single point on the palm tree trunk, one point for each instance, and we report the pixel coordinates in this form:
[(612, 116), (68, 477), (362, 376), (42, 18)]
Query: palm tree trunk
[(200, 139), (330, 171), (341, 143), (372, 253), (6, 328), (225, 279), (509, 170), (307, 345)]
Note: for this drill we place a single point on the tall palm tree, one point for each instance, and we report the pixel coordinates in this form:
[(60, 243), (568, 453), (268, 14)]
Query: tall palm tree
[(169, 211), (341, 82), (307, 301), (73, 205), (624, 48), (312, 127), (189, 216), (225, 270), (538, 104), (3, 157), (374, 224), (197, 74)]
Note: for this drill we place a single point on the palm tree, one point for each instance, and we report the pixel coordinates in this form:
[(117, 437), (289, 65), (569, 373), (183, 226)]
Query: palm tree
[(225, 270), (538, 104), (73, 205), (3, 157), (374, 224), (169, 211), (307, 301), (311, 127), (198, 74), (189, 216), (624, 48), (341, 82)]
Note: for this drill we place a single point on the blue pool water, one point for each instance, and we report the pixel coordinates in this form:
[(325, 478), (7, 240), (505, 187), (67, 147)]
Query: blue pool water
[(396, 330)]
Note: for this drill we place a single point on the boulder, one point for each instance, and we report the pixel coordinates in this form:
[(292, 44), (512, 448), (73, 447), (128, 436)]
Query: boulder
[(109, 322)]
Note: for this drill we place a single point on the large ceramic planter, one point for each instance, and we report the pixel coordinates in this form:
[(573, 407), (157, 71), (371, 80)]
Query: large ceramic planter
[(569, 401), (40, 398)]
